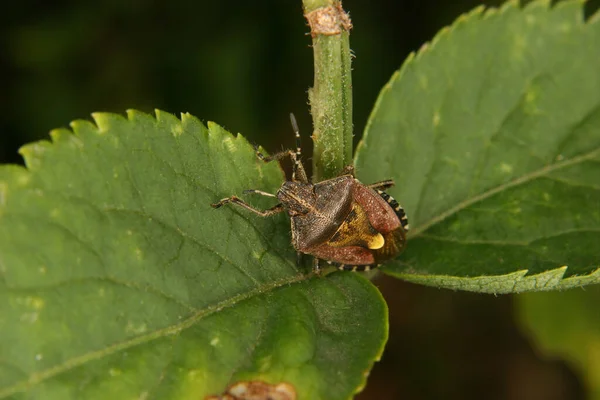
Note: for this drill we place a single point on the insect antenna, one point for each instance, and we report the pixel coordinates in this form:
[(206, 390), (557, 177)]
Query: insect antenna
[(297, 168)]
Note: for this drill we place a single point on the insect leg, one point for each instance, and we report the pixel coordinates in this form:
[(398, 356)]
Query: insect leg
[(236, 200), (298, 167), (298, 172), (388, 183), (273, 157), (316, 267), (255, 191)]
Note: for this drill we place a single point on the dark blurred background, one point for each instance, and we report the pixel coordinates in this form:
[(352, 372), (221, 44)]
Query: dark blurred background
[(246, 65)]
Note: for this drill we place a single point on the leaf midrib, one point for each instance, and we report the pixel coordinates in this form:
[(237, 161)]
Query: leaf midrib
[(74, 362), (416, 232)]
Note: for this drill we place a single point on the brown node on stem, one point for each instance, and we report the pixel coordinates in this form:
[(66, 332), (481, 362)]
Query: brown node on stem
[(330, 20)]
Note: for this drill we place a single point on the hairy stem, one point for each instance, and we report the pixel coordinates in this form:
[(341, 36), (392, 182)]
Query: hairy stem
[(331, 97)]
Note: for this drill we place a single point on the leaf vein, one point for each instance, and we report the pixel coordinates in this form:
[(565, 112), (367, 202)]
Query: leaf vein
[(39, 377), (514, 183), (194, 182)]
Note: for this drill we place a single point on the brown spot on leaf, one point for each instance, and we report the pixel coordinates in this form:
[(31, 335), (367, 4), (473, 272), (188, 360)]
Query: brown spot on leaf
[(257, 390)]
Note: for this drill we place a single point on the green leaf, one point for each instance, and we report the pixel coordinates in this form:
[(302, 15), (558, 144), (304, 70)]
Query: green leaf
[(566, 325), (492, 134), (118, 280)]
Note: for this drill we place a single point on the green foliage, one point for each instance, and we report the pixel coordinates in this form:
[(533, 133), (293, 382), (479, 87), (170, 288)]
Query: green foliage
[(566, 325), (119, 279), (492, 134)]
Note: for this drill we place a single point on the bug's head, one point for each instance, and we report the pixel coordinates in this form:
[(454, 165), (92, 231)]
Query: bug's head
[(296, 197)]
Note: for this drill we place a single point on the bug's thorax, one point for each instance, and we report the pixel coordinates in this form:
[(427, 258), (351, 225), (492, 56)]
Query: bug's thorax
[(297, 197)]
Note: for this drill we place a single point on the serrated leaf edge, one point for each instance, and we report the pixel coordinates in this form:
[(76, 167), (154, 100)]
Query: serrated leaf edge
[(478, 12), (514, 282), (103, 123)]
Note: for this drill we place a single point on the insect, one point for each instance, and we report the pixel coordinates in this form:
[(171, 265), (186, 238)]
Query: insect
[(340, 220)]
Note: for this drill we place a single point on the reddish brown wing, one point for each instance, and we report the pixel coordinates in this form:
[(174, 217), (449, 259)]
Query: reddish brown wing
[(381, 215)]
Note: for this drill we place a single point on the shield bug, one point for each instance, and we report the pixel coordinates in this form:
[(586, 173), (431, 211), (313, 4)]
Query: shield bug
[(339, 220)]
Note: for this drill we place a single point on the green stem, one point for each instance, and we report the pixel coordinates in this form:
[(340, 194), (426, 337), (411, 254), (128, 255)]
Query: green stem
[(331, 97)]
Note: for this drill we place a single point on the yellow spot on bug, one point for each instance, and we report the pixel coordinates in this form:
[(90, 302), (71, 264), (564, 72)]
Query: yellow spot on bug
[(42, 270), (506, 168), (215, 341), (138, 253), (376, 241), (39, 356), (129, 232), (356, 230)]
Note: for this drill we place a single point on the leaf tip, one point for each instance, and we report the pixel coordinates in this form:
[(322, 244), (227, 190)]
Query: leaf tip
[(169, 122), (32, 153), (82, 127), (192, 124), (134, 115), (60, 135), (163, 116)]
